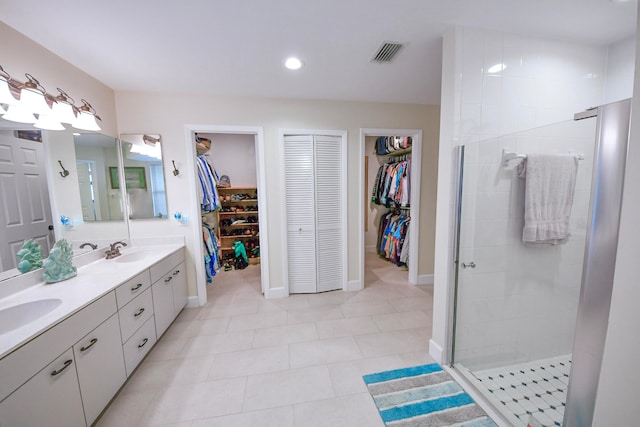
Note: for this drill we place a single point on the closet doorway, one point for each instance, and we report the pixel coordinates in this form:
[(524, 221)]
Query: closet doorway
[(237, 218), (390, 201)]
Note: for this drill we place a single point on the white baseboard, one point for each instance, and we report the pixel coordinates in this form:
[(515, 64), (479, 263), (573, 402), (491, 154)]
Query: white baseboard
[(425, 279), (435, 351), (275, 293), (354, 285), (193, 302)]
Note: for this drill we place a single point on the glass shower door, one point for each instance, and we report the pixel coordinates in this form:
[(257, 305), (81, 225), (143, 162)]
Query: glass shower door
[(516, 304)]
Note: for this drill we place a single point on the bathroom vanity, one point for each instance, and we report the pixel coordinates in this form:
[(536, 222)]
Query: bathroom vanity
[(67, 348)]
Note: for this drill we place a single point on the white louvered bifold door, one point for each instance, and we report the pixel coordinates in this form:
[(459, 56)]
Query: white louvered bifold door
[(329, 232), (301, 233)]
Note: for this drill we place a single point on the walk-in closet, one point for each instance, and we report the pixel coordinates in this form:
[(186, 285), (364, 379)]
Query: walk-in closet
[(228, 197), (388, 181)]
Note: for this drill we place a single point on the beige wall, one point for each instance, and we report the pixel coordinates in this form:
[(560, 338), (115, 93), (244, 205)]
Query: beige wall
[(20, 55), (167, 115)]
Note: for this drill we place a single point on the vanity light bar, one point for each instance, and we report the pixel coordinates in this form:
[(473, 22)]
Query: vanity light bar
[(26, 100)]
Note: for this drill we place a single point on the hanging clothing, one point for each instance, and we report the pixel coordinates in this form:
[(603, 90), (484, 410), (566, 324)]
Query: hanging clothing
[(208, 177), (392, 186), (211, 252), (389, 144), (393, 243)]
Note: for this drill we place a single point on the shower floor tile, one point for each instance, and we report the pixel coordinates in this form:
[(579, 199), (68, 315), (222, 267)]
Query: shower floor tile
[(535, 389)]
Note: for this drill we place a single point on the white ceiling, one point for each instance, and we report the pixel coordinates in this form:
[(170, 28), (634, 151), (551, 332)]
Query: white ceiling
[(237, 47)]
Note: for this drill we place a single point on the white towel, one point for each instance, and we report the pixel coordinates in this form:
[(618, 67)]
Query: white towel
[(550, 184)]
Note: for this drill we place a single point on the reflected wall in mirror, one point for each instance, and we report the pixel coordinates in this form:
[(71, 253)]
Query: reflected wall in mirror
[(143, 176), (96, 157)]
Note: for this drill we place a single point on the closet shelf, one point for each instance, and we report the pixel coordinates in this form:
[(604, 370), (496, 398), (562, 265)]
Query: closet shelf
[(254, 201), (238, 213), (235, 189), (397, 152), (241, 225), (240, 236)]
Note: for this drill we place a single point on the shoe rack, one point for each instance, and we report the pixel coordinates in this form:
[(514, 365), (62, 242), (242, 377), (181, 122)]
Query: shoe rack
[(238, 220)]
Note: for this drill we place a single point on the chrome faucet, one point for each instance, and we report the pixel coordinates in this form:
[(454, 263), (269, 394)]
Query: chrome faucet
[(93, 246), (114, 250)]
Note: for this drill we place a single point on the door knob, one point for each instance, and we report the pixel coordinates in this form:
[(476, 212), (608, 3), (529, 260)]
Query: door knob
[(469, 265)]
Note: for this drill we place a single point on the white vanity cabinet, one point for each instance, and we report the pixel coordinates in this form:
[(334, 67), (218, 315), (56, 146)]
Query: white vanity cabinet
[(51, 398), (100, 366), (67, 373), (169, 290)]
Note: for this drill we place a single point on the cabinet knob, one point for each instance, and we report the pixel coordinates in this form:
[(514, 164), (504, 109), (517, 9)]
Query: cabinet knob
[(136, 287), (168, 279), (144, 342), (176, 272), (469, 265), (139, 312)]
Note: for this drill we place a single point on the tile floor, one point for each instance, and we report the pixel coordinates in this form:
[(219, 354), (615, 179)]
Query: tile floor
[(245, 361), (537, 388)]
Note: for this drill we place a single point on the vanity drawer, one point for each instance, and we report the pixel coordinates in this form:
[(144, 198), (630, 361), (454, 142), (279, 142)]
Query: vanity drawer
[(139, 345), (132, 288), (17, 367), (166, 265), (134, 314)]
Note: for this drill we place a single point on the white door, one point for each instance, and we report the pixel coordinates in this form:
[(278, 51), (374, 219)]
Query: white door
[(89, 212), (299, 184), (25, 212), (315, 230), (329, 232)]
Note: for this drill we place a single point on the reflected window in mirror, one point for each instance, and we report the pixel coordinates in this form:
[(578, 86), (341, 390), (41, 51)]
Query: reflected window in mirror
[(143, 176)]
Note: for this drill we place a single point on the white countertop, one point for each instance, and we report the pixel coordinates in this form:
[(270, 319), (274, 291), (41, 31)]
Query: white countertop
[(93, 281)]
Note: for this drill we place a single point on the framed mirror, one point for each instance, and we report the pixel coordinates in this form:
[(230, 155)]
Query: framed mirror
[(39, 184), (143, 176)]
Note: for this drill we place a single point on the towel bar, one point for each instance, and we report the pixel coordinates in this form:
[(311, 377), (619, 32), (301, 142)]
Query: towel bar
[(508, 155)]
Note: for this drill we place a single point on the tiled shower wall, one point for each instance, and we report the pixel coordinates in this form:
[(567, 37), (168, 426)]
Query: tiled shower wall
[(520, 302)]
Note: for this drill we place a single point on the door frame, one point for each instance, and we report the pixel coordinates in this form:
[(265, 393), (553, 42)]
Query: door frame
[(343, 135), (196, 226), (414, 213)]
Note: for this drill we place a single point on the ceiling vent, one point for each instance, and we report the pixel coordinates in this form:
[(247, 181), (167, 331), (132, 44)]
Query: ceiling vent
[(386, 52)]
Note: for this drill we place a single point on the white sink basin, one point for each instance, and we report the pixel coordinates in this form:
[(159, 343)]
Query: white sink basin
[(19, 315), (133, 256)]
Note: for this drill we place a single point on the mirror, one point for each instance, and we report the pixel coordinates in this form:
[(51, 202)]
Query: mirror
[(38, 200), (143, 176), (96, 157)]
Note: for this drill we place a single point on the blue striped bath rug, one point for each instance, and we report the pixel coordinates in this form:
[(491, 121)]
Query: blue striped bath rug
[(423, 396)]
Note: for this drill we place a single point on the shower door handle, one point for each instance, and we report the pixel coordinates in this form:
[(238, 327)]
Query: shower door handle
[(469, 265)]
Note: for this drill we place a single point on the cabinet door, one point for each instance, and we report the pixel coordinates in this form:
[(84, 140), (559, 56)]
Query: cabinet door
[(299, 189), (100, 365), (51, 398), (163, 302), (179, 289)]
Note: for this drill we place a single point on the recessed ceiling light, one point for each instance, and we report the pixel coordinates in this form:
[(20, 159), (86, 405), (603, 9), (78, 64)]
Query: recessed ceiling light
[(293, 63)]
